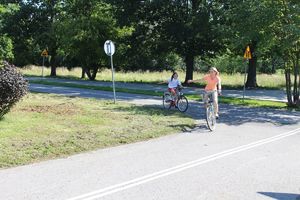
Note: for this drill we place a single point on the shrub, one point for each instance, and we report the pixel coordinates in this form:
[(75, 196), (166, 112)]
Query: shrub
[(13, 87)]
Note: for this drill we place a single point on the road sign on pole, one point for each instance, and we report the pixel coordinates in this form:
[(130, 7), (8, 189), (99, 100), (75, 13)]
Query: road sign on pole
[(247, 55), (109, 49), (44, 54)]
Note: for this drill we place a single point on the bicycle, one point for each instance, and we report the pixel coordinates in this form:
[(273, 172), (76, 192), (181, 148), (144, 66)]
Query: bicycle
[(181, 103), (210, 111)]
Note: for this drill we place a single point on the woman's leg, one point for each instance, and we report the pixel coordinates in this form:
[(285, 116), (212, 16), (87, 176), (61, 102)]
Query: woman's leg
[(216, 105), (205, 99)]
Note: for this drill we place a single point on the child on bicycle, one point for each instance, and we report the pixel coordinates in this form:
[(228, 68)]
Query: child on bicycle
[(213, 86), (173, 84)]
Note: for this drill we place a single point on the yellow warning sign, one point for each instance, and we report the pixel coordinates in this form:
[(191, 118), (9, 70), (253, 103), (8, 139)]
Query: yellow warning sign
[(44, 53), (247, 54)]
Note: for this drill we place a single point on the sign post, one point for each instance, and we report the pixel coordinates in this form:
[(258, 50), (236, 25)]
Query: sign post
[(247, 55), (44, 54), (109, 49)]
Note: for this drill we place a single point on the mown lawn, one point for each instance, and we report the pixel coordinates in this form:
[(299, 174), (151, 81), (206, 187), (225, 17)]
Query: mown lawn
[(44, 126)]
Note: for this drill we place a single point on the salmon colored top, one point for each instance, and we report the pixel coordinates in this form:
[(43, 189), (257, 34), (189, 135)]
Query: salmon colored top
[(211, 82)]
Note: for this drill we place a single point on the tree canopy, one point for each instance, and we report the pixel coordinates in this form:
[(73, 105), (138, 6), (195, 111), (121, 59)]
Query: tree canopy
[(155, 35)]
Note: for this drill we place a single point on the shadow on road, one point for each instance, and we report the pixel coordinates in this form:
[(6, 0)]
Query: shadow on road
[(281, 196), (237, 115)]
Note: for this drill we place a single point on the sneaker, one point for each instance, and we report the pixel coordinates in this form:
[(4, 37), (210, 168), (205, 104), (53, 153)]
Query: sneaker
[(217, 116)]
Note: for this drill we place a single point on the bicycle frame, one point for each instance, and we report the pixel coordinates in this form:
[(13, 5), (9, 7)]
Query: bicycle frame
[(210, 110)]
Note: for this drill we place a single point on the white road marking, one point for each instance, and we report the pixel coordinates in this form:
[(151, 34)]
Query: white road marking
[(147, 178)]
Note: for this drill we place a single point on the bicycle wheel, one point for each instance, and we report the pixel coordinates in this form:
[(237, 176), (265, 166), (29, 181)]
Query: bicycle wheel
[(167, 101), (210, 117), (182, 103)]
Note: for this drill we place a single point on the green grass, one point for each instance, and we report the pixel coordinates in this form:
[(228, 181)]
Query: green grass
[(222, 99), (246, 102), (274, 81), (102, 88), (44, 126)]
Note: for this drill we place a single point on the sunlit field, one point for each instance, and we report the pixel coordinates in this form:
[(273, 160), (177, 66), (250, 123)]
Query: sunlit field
[(229, 80)]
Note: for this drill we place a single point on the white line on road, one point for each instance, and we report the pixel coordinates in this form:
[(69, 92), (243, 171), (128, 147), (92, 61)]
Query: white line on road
[(147, 178)]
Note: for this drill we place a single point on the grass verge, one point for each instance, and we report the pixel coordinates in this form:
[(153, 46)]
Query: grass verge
[(45, 126), (246, 102)]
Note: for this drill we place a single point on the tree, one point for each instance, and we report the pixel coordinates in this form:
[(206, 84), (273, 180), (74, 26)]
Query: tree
[(187, 27), (6, 45), (51, 11), (247, 24), (286, 33), (83, 30)]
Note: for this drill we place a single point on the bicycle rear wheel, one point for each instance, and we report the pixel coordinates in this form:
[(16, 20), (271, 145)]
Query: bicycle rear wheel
[(167, 100), (182, 103), (210, 117)]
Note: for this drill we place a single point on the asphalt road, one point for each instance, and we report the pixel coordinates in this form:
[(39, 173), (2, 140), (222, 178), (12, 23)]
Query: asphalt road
[(253, 154)]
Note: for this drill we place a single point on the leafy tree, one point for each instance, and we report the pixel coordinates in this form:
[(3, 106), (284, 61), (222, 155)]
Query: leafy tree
[(50, 11), (286, 38), (83, 30), (248, 23), (6, 46), (188, 28), (31, 28)]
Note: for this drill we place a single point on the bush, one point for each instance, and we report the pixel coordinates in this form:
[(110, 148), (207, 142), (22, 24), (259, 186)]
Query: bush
[(13, 87)]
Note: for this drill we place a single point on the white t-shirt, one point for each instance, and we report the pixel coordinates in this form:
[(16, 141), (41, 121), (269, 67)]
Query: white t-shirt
[(174, 83)]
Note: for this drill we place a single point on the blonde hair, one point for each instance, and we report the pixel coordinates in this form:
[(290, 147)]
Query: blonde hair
[(215, 70)]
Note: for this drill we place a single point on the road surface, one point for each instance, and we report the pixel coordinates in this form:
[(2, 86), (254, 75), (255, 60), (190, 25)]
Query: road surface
[(253, 154)]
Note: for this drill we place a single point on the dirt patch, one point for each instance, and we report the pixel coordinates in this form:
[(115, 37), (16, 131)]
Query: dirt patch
[(59, 109)]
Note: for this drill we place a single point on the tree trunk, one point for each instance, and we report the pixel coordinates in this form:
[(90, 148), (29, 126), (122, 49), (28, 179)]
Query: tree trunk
[(297, 85), (298, 103), (91, 73), (251, 78), (189, 62), (83, 73), (295, 88), (53, 70), (288, 84), (53, 62), (94, 73), (273, 66)]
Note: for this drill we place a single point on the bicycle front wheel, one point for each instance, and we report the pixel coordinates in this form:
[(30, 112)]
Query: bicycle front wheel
[(167, 100), (182, 104), (210, 117)]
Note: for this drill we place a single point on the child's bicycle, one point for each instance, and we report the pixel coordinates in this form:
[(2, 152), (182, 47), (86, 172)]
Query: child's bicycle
[(181, 103), (210, 112)]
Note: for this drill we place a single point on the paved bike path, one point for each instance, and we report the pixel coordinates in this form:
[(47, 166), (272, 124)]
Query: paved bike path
[(274, 95), (249, 156)]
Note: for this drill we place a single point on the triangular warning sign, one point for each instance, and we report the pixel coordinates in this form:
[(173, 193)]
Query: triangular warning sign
[(247, 54), (44, 53)]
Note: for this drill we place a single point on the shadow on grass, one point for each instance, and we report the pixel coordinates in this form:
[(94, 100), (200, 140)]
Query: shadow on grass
[(281, 196), (157, 111)]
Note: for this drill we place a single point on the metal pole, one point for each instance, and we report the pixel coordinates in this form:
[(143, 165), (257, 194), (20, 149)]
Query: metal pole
[(245, 82), (43, 66), (113, 78)]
